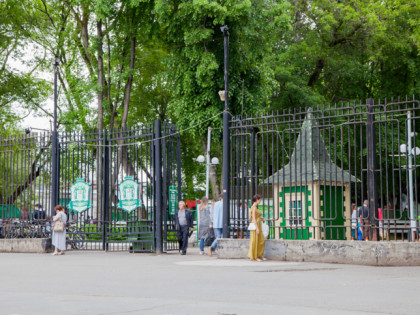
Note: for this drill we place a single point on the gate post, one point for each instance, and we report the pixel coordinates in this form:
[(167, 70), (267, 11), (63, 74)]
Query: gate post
[(158, 185), (371, 167), (105, 190), (178, 166), (54, 147), (253, 175), (54, 171), (226, 141)]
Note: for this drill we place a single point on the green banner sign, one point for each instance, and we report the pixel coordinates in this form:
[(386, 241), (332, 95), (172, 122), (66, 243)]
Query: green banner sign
[(80, 196), (173, 199), (129, 194)]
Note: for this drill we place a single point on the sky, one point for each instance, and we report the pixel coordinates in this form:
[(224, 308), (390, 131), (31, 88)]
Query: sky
[(32, 119)]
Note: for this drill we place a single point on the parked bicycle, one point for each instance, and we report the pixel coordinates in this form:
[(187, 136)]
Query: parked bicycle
[(26, 229), (76, 236)]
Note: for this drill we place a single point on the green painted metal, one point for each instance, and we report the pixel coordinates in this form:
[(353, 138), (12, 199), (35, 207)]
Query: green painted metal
[(291, 232), (9, 211), (332, 210), (173, 199), (129, 194)]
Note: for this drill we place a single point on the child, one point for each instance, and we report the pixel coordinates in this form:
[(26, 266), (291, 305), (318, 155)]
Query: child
[(359, 231)]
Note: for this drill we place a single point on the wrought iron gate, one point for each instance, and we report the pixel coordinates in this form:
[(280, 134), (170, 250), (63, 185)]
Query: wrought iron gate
[(146, 154), (313, 167), (149, 153)]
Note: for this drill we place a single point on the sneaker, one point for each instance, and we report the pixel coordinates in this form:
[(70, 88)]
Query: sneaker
[(202, 252)]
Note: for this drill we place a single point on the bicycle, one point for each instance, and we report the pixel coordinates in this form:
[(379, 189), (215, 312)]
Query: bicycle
[(76, 237)]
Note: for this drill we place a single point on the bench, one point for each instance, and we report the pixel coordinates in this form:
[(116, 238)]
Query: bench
[(397, 228)]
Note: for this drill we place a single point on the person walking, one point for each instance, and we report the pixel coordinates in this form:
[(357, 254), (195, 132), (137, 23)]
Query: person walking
[(353, 221), (364, 216), (184, 225), (381, 224), (59, 238), (257, 241), (24, 214), (204, 222), (217, 223)]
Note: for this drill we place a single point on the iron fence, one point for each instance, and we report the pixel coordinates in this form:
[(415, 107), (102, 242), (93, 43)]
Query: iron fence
[(315, 168), (24, 185), (103, 159)]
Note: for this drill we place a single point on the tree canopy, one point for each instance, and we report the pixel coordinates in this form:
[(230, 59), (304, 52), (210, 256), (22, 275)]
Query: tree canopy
[(124, 62)]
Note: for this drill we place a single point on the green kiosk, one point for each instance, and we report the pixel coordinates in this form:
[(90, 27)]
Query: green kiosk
[(312, 194)]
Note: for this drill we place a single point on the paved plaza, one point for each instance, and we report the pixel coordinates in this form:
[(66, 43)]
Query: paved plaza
[(123, 283)]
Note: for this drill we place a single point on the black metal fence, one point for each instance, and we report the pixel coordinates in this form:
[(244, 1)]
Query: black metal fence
[(314, 168), (25, 181), (148, 153)]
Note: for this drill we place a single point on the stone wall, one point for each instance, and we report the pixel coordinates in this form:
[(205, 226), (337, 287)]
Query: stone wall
[(340, 252), (25, 245)]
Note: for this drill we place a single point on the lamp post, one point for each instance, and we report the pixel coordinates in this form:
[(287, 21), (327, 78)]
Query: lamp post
[(54, 145), (214, 161), (410, 152), (226, 148)]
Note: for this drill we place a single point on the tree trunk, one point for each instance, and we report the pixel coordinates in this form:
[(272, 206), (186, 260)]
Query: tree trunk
[(213, 174), (100, 124), (317, 72), (129, 83), (33, 175)]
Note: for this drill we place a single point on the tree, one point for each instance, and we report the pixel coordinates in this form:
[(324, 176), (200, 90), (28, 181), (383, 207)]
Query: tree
[(195, 63), (344, 50), (16, 86)]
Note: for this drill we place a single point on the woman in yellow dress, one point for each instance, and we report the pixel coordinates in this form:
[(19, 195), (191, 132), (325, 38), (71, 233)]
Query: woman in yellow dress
[(257, 241)]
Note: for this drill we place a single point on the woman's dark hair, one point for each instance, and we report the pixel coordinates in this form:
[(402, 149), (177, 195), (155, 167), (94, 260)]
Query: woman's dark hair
[(255, 198)]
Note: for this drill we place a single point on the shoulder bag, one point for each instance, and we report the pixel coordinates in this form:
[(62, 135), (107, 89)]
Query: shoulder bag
[(252, 227), (59, 226)]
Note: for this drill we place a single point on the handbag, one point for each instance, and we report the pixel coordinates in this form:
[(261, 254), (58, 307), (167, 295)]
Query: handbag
[(265, 229), (252, 227), (59, 226), (209, 238)]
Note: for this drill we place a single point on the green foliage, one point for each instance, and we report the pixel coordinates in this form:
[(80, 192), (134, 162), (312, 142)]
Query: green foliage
[(282, 54), (16, 87), (348, 50), (195, 63)]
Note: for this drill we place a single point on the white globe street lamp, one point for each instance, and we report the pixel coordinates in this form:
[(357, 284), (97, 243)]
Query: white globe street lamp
[(206, 160), (215, 160)]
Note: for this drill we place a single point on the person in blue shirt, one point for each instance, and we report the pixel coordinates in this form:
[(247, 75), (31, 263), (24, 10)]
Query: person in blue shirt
[(217, 223)]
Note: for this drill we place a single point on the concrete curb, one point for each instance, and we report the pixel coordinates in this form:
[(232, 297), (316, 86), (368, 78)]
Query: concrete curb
[(25, 245), (339, 252)]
